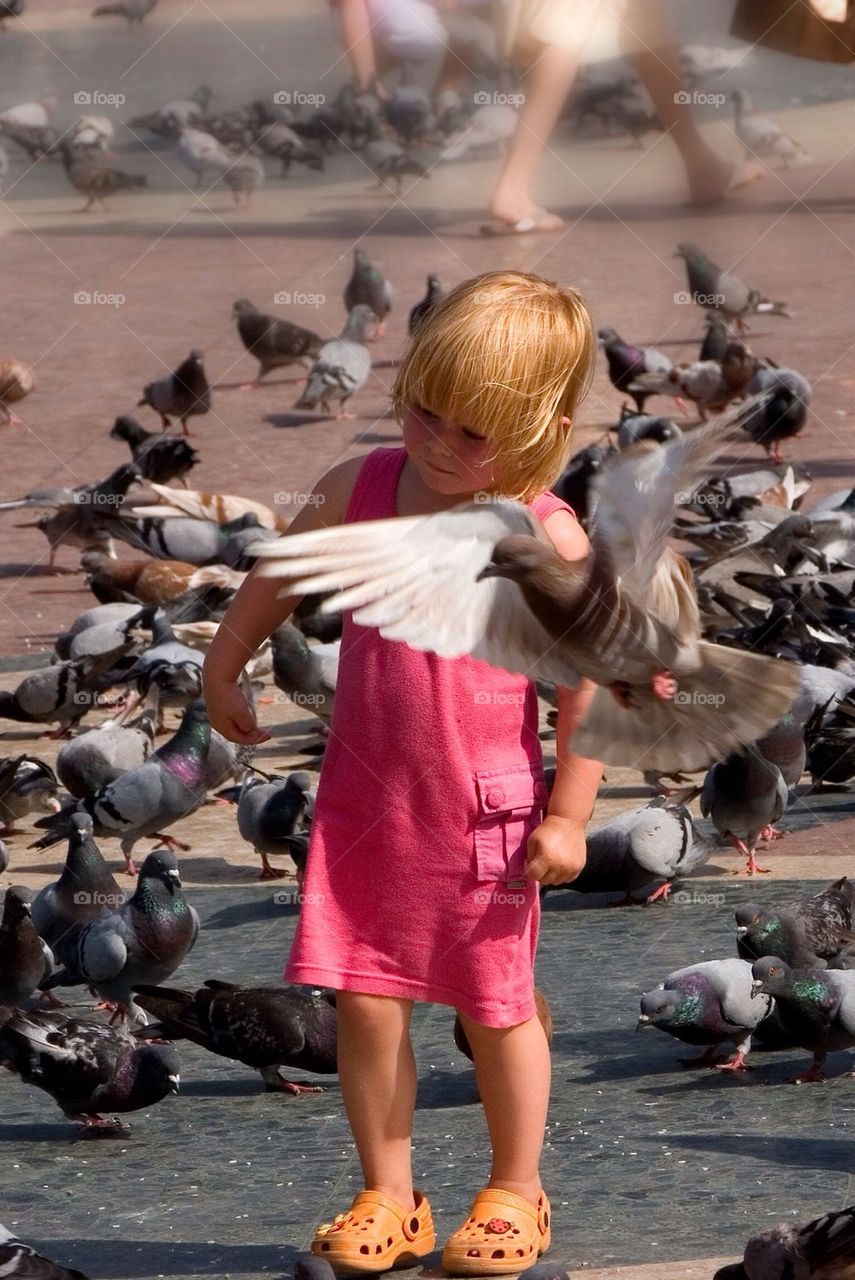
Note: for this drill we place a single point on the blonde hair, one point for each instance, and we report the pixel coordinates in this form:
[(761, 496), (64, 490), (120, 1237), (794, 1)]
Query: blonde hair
[(508, 355)]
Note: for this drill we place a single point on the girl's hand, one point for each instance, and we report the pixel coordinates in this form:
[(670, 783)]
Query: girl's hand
[(556, 850), (231, 714)]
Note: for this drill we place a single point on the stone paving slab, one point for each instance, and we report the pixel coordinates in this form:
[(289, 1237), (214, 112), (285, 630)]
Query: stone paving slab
[(646, 1163)]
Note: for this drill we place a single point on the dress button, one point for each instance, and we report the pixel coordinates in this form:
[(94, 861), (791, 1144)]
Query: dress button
[(495, 797), (540, 791)]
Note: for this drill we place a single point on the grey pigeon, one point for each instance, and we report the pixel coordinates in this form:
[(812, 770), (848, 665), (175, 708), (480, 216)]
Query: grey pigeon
[(656, 843), (744, 795), (780, 416), (27, 785), (19, 1261), (159, 458), (87, 1067), (263, 1027), (165, 647), (341, 366), (306, 672), (183, 394), (627, 363), (280, 141), (499, 591), (243, 178), (85, 891), (62, 692), (93, 759), (115, 613), (36, 140), (716, 338), (200, 542), (74, 516), (368, 287), (645, 426), (270, 811), (772, 377), (409, 111), (721, 291), (25, 960), (708, 1004), (225, 760), (807, 933), (143, 941), (169, 786), (389, 162), (133, 10), (4, 856), (274, 343), (91, 175), (428, 303), (823, 1249), (308, 1267), (816, 1008)]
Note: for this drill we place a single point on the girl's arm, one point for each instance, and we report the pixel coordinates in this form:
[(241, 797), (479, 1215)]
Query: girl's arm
[(359, 42), (255, 612), (556, 849)]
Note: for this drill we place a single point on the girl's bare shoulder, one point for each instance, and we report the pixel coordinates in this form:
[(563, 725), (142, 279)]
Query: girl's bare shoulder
[(567, 535)]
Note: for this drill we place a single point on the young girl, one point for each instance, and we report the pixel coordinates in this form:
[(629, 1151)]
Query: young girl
[(428, 837)]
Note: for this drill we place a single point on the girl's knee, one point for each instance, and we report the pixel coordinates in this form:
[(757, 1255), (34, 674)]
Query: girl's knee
[(373, 1011)]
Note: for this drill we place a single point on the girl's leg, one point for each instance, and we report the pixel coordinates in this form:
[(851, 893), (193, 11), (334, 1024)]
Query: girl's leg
[(512, 1067), (377, 1072)]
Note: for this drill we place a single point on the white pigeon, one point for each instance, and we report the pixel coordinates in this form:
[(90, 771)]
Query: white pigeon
[(491, 126), (763, 138), (93, 131), (698, 61), (200, 151), (36, 115)]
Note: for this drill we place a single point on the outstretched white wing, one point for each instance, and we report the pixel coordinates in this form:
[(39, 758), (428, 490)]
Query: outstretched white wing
[(415, 579)]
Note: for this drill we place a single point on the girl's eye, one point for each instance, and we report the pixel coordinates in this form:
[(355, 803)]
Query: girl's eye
[(425, 413), (472, 435)]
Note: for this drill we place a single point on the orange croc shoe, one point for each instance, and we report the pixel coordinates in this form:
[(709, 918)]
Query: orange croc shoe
[(376, 1234), (504, 1233)]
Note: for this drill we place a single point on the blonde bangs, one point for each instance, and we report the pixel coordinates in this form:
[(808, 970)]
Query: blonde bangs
[(508, 355)]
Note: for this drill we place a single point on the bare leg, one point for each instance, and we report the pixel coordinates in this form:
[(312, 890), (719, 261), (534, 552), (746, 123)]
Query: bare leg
[(512, 1067), (377, 1073), (546, 87), (656, 58)]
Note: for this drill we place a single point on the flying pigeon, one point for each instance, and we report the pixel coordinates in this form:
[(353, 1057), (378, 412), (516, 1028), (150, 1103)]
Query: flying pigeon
[(625, 617)]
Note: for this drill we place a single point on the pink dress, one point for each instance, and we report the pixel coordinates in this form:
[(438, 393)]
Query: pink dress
[(431, 783)]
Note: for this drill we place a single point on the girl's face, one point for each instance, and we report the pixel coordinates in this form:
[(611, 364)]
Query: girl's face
[(450, 459)]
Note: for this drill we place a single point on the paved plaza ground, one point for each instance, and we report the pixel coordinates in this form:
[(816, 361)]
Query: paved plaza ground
[(655, 1172)]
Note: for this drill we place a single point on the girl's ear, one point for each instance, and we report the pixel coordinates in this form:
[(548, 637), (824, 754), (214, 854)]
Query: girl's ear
[(566, 423)]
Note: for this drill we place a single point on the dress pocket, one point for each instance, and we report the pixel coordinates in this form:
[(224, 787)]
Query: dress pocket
[(510, 806)]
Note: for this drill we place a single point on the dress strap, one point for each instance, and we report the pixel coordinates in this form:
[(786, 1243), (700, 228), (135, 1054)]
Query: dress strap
[(374, 492), (545, 504)]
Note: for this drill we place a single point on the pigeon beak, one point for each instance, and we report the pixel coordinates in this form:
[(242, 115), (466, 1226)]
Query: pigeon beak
[(741, 930), (643, 1021), (756, 989), (489, 571), (175, 1081), (174, 880)]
